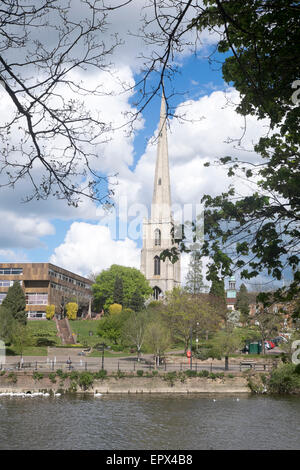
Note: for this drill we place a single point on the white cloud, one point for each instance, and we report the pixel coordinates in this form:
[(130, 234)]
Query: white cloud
[(90, 248), (22, 232)]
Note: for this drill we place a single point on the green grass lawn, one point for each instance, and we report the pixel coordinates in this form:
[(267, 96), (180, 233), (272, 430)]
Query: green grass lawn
[(86, 331), (43, 334)]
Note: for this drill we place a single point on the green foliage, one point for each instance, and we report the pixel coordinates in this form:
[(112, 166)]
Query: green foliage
[(13, 377), (191, 373), (101, 374), (170, 377), (115, 309), (284, 380), (137, 301), (71, 310), (37, 375), (15, 303), (52, 377), (132, 280), (109, 328), (203, 373), (140, 373), (118, 291), (6, 324), (242, 303), (50, 312), (21, 337), (86, 380)]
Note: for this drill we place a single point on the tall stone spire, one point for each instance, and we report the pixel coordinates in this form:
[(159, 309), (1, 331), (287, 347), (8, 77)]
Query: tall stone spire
[(161, 201), (163, 276)]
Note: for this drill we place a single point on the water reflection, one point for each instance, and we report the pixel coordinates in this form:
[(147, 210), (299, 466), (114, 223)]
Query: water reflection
[(138, 422)]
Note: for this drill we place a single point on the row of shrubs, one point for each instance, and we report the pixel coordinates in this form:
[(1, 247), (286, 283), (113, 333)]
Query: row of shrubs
[(283, 380)]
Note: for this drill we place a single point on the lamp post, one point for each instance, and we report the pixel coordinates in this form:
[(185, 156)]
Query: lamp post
[(103, 345), (191, 342)]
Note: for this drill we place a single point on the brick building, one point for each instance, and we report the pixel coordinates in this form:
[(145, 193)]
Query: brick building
[(45, 284)]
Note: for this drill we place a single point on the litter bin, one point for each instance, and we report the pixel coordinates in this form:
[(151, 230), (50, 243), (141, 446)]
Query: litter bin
[(255, 348)]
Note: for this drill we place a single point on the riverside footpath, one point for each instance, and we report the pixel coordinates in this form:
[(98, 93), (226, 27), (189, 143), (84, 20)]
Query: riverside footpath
[(68, 359)]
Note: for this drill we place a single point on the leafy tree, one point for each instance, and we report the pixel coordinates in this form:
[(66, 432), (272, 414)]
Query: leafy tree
[(21, 337), (132, 279), (118, 291), (157, 340), (6, 324), (71, 310), (15, 302), (115, 309), (134, 329), (194, 277), (110, 327), (242, 303), (227, 342), (50, 312), (183, 314)]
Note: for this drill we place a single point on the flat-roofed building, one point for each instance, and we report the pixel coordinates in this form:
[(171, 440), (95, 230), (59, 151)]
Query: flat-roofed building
[(45, 284)]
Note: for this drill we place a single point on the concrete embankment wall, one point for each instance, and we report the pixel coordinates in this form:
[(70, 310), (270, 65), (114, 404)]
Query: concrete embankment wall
[(111, 385)]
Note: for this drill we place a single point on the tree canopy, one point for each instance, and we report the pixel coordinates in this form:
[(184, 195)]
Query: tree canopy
[(15, 303), (133, 280)]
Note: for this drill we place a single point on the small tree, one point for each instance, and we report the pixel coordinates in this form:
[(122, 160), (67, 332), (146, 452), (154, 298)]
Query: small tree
[(21, 337), (15, 302), (242, 303), (6, 325), (226, 342), (110, 328), (50, 312), (157, 339), (72, 309), (115, 309), (194, 277), (133, 330)]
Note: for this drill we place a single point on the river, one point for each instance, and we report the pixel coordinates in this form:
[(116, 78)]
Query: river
[(142, 422)]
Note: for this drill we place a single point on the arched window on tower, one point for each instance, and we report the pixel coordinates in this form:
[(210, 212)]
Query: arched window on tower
[(156, 266), (157, 237), (159, 181), (156, 293)]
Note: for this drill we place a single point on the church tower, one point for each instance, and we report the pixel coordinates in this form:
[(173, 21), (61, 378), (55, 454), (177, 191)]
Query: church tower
[(162, 275)]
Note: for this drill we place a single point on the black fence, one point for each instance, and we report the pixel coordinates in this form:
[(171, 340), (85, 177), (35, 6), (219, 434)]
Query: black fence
[(132, 365)]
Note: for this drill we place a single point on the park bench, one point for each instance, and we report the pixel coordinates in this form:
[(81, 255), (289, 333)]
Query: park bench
[(254, 365)]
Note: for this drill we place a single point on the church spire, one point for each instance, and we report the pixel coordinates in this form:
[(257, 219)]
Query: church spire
[(161, 201)]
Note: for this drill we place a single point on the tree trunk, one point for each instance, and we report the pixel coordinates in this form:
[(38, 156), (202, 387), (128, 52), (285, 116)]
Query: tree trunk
[(226, 363)]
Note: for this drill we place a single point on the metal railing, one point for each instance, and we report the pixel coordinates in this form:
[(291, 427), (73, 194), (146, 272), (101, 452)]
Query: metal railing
[(124, 365)]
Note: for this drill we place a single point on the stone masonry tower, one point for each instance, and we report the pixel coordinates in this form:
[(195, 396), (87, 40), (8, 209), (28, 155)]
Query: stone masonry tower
[(162, 275)]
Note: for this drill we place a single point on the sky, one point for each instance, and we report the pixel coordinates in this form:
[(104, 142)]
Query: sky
[(90, 238)]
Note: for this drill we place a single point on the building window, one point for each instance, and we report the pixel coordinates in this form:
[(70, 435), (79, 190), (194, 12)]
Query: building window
[(157, 237), (159, 181), (156, 266), (36, 299), (7, 283), (11, 271)]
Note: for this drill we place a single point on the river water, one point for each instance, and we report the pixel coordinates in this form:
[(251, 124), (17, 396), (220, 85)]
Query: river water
[(142, 422)]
